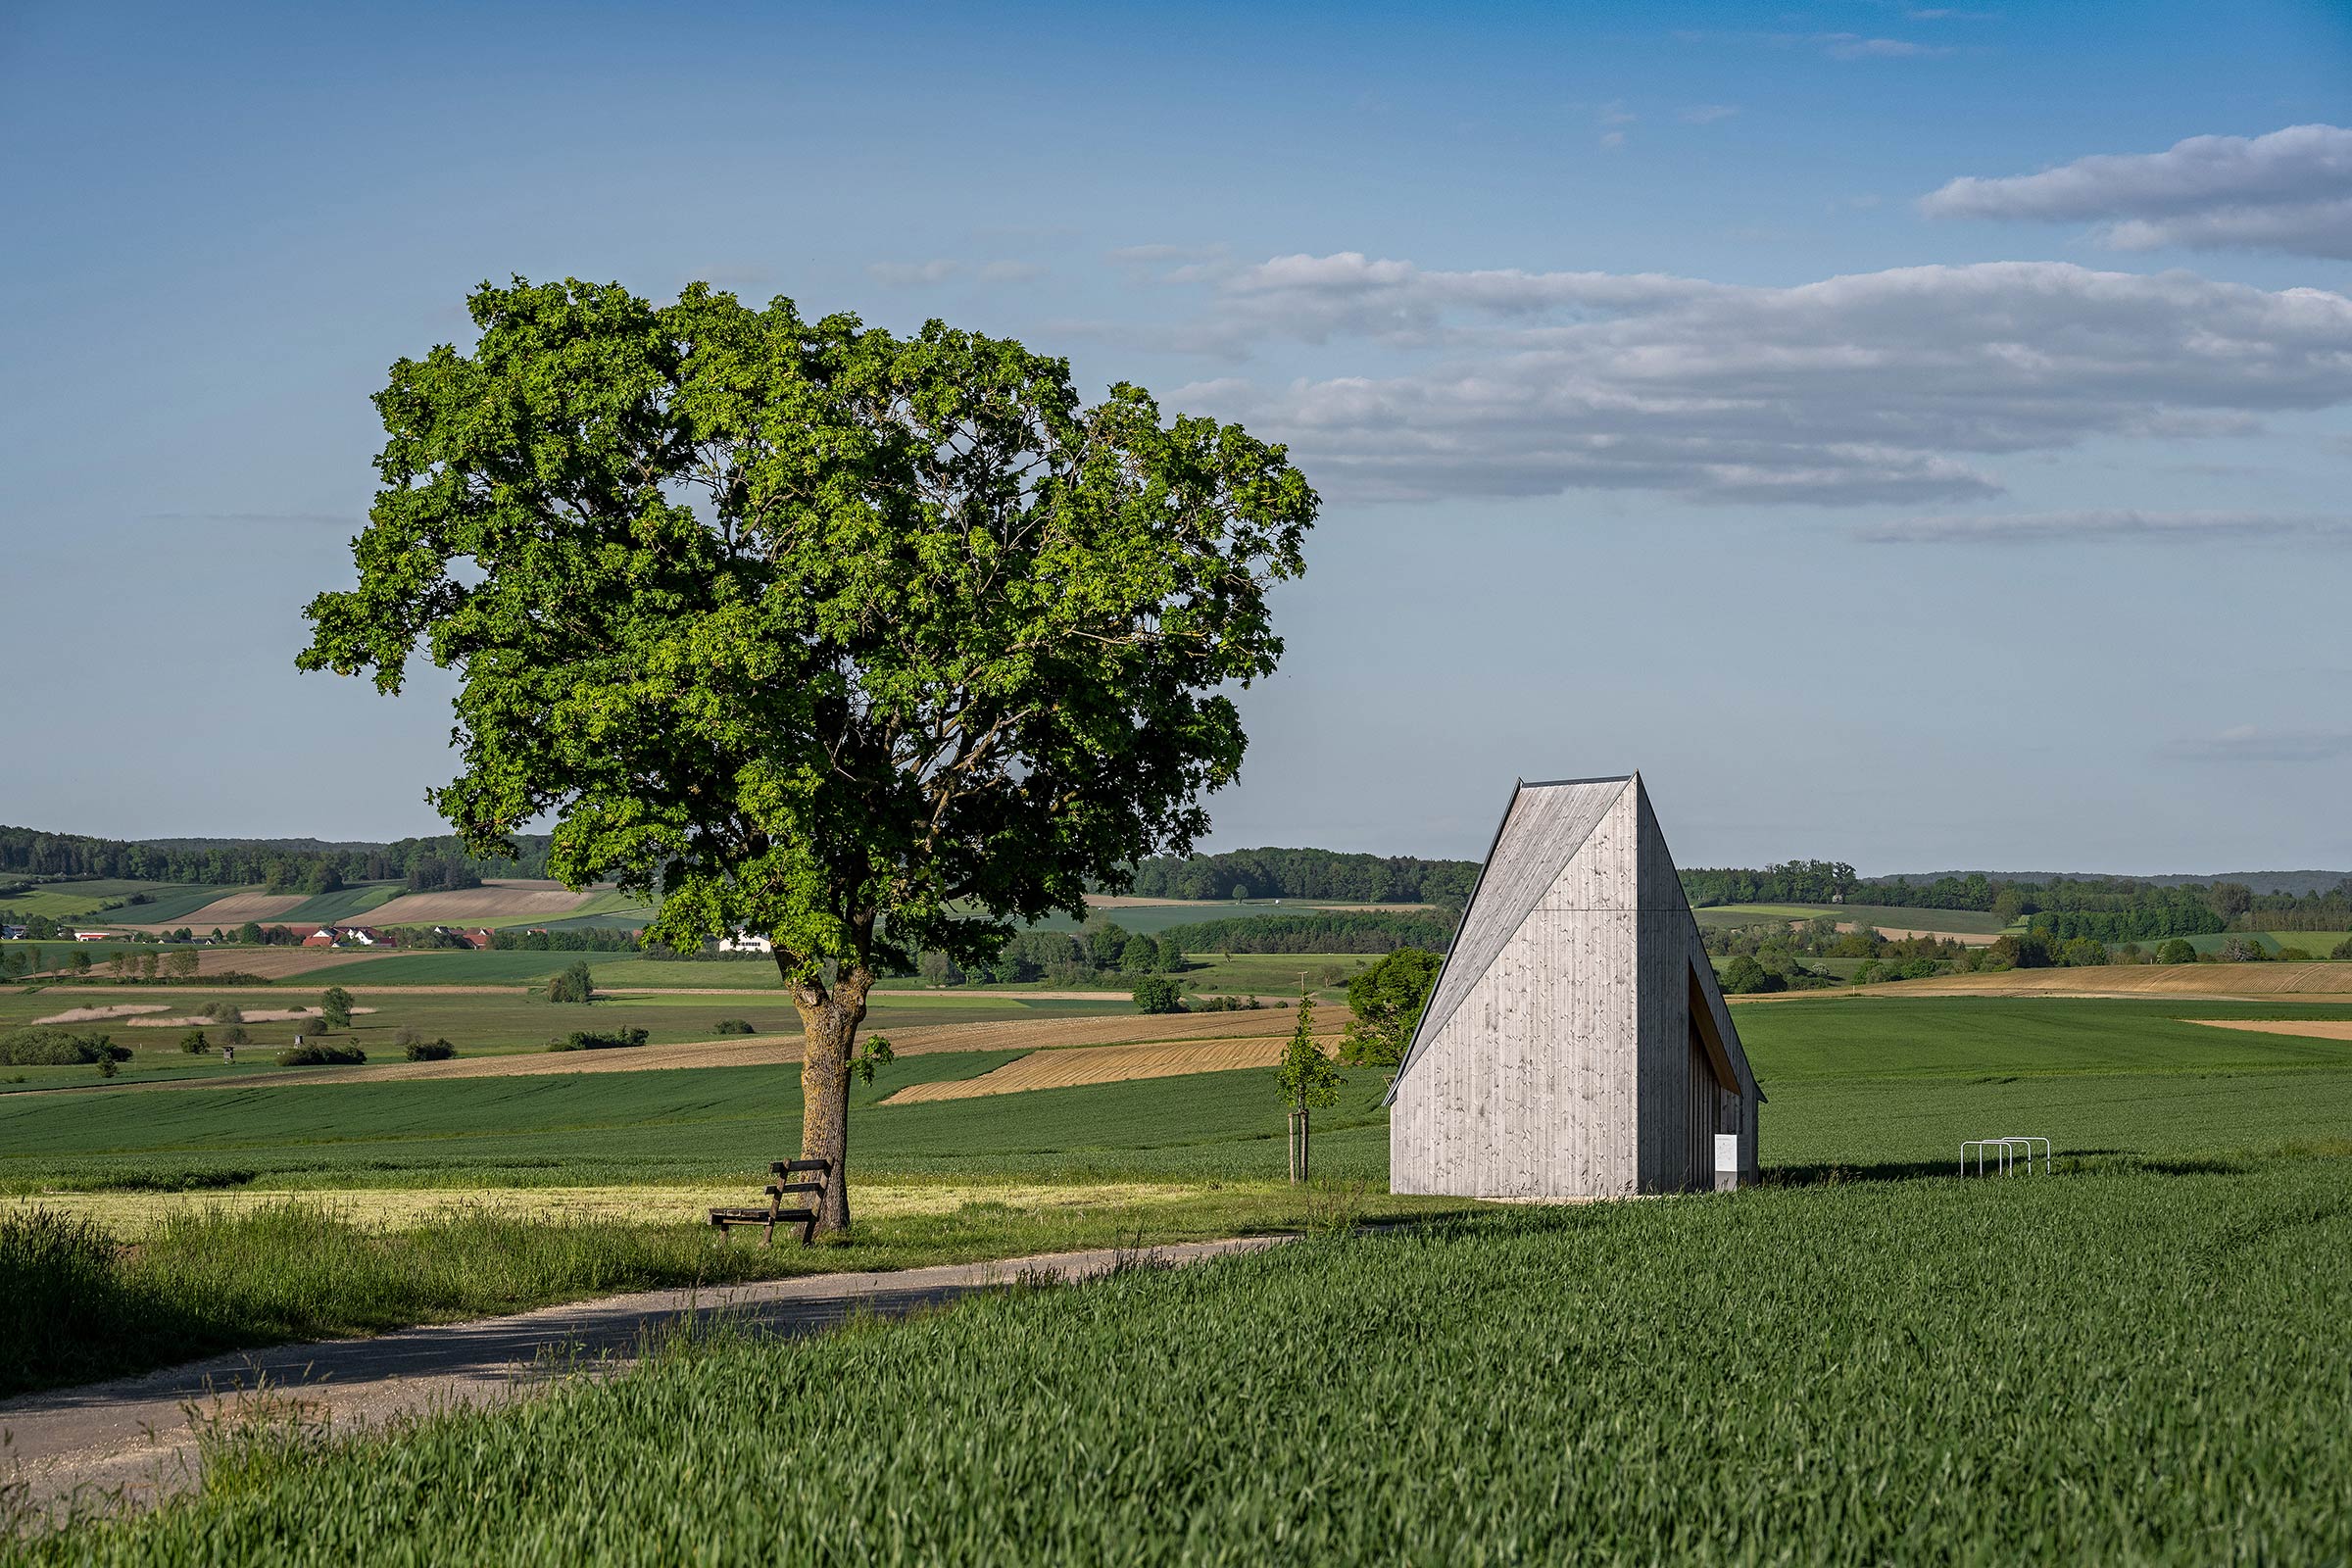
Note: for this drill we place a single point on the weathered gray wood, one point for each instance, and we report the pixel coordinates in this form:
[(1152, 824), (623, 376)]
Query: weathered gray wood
[(1575, 1045)]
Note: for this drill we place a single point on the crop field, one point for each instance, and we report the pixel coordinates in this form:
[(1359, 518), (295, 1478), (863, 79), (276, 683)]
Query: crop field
[(2319, 981), (2318, 944), (478, 1024), (166, 903), (1966, 923), (664, 1129), (1816, 1374), (64, 900), (344, 903), (233, 910), (1270, 975), (501, 903), (1102, 1064), (1862, 1083)]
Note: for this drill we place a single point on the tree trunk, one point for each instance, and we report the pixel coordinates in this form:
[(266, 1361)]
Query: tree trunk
[(829, 1019)]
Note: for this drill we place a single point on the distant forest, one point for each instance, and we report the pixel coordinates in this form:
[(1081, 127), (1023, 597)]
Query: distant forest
[(1306, 874), (282, 865), (2101, 909)]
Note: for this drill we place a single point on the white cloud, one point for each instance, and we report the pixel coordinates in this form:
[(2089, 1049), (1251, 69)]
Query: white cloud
[(1011, 272), (2110, 526), (1705, 113), (2291, 191), (912, 274), (1613, 139), (2251, 743), (1876, 388)]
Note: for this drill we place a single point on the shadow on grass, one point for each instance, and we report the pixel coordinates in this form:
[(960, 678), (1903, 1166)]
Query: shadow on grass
[(2068, 1161)]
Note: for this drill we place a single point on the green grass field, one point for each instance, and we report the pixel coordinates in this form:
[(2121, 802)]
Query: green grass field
[(64, 900), (1864, 1360), (476, 1025), (2131, 1366), (1862, 1083), (344, 903), (170, 902), (2319, 944)]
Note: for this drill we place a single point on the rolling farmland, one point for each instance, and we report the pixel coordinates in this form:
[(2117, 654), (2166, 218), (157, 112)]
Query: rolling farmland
[(67, 900), (2319, 981), (1101, 1065), (2176, 1140)]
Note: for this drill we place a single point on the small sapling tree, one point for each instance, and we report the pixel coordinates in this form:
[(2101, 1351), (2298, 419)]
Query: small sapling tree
[(1308, 1080), (868, 645)]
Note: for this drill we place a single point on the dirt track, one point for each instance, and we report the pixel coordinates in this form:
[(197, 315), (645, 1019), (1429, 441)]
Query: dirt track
[(134, 1439)]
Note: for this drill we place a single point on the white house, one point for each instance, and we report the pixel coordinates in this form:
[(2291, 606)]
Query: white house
[(744, 942)]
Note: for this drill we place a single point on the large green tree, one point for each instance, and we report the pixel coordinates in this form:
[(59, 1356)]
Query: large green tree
[(1387, 999), (867, 644)]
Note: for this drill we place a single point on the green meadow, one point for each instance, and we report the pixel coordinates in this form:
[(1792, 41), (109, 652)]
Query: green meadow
[(64, 900), (1857, 1083)]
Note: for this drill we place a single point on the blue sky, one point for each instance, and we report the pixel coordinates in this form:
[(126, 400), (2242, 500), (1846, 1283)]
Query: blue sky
[(1672, 406)]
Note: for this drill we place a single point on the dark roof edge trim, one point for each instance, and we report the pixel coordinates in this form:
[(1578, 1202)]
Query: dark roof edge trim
[(1389, 1096)]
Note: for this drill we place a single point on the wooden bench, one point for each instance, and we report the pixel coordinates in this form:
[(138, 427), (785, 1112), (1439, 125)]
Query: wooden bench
[(778, 1189)]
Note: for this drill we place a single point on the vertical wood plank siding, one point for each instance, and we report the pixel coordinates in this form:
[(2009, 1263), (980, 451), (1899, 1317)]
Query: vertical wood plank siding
[(1559, 1056)]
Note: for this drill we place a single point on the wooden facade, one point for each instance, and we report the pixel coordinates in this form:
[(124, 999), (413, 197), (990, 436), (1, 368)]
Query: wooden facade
[(1575, 1045)]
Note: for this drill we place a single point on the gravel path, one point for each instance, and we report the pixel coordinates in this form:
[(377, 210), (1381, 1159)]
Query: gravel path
[(126, 1444)]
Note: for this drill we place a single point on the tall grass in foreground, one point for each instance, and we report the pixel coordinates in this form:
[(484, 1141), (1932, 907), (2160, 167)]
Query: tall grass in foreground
[(74, 1305), (2130, 1366)]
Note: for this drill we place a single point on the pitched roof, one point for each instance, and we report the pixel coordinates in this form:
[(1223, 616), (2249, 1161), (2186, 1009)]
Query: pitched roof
[(1540, 833)]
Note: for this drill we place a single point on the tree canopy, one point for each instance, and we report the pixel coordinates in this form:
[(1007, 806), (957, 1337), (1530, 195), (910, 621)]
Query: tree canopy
[(1387, 999), (868, 644)]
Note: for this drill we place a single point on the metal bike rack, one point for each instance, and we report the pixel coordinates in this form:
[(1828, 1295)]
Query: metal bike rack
[(2008, 1154)]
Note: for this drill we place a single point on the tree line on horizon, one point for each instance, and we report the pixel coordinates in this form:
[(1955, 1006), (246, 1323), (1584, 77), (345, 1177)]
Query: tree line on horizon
[(2101, 909), (426, 864)]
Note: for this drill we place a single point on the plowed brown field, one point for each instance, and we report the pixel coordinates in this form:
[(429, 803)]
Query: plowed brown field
[(238, 908), (1016, 1033), (492, 900), (272, 963), (2308, 1028), (1102, 1064)]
